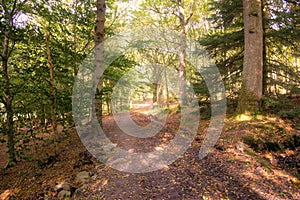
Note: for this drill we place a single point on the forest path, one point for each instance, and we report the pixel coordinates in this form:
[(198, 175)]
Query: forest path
[(223, 174), (231, 170)]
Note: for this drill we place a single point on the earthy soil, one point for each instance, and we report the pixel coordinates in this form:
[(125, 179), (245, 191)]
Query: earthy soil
[(232, 170)]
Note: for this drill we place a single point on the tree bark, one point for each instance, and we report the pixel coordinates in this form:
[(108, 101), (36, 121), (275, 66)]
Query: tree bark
[(265, 28), (8, 102), (75, 37), (154, 92), (166, 83), (8, 97), (251, 92), (99, 56), (182, 54), (52, 85)]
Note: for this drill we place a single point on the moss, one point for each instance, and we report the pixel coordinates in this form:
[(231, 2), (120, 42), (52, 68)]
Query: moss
[(258, 145), (268, 126), (250, 153), (252, 142), (248, 103), (265, 164)]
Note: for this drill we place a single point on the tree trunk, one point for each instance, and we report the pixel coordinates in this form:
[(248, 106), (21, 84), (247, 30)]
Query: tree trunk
[(99, 55), (52, 86), (154, 92), (75, 38), (156, 77), (166, 83), (8, 97), (8, 102), (182, 54), (251, 92), (265, 70)]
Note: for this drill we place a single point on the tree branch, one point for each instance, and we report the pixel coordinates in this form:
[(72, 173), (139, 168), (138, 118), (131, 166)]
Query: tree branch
[(13, 8), (189, 17), (293, 2), (12, 48), (2, 100)]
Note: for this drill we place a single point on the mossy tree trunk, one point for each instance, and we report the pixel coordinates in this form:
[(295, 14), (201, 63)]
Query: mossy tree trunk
[(252, 86)]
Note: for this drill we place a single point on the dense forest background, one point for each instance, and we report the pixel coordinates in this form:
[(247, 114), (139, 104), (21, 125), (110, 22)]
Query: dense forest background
[(44, 43)]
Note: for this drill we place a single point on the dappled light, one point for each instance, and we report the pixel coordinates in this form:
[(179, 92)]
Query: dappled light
[(150, 99)]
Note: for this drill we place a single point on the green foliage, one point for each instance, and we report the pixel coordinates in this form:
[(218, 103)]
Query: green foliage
[(292, 142), (293, 113), (225, 42), (71, 27), (252, 142), (259, 145), (263, 144), (282, 106)]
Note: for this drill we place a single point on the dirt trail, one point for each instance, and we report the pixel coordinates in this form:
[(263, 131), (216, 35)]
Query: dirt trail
[(223, 174), (229, 171)]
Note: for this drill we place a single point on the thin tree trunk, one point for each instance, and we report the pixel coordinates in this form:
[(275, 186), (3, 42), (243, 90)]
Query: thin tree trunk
[(99, 55), (8, 98), (52, 86), (160, 95), (8, 17), (155, 84), (8, 102), (166, 83), (75, 38), (154, 92), (182, 55), (251, 92), (296, 62), (108, 104)]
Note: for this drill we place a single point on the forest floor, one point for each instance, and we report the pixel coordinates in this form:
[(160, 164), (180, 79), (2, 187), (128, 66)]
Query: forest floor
[(256, 159)]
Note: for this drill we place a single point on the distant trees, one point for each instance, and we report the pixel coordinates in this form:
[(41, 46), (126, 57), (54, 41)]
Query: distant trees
[(182, 16)]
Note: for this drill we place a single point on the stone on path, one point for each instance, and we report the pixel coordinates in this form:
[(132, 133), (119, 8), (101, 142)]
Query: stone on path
[(83, 176)]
